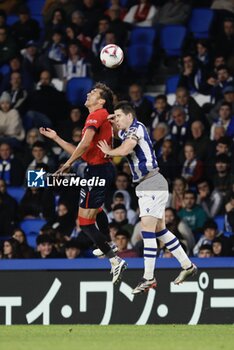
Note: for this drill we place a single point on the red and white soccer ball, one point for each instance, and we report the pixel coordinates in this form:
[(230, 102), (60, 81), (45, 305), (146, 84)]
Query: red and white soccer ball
[(111, 56)]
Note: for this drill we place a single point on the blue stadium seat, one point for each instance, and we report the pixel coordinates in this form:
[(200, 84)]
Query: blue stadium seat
[(11, 19), (139, 56), (39, 19), (16, 192), (32, 225), (5, 69), (171, 84), (220, 221), (142, 36), (77, 89), (31, 239), (35, 6), (200, 22), (150, 98), (172, 39)]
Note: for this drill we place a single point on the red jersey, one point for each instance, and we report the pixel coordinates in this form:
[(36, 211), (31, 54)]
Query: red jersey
[(97, 120)]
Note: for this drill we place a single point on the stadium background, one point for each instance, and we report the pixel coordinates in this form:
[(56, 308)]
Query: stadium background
[(49, 59)]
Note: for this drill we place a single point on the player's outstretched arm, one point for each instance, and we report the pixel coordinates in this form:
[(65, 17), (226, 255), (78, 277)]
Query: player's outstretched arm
[(80, 149), (52, 134), (122, 151)]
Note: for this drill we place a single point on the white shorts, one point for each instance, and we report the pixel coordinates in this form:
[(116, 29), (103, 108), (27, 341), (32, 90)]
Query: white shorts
[(152, 196)]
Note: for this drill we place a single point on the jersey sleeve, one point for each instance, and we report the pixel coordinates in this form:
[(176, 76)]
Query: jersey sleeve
[(134, 133)]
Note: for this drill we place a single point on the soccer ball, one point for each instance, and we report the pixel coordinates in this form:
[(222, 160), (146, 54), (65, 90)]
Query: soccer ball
[(111, 56)]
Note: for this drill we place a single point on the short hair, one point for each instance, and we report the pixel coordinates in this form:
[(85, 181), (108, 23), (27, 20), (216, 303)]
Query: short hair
[(107, 95), (225, 140), (39, 144), (210, 224), (182, 88), (178, 108), (126, 107), (221, 67), (190, 192), (123, 233), (206, 247), (222, 158), (119, 207), (119, 195), (227, 104), (161, 97)]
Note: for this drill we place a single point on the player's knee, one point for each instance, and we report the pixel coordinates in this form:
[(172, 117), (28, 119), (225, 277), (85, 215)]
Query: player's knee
[(148, 223)]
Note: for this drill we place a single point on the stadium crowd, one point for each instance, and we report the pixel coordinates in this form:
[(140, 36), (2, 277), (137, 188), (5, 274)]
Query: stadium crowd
[(193, 141)]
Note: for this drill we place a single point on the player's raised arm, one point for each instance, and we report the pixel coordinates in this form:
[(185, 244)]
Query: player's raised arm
[(51, 134), (79, 150), (126, 148)]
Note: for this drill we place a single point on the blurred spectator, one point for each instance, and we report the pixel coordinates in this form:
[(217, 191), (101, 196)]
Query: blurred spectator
[(176, 198), (222, 179), (210, 199), (123, 197), (25, 29), (17, 92), (40, 156), (99, 39), (26, 251), (192, 77), (8, 211), (116, 14), (67, 126), (33, 135), (57, 22), (37, 202), (161, 111), (45, 248), (76, 66), (11, 129), (179, 127), (199, 140), (203, 54), (142, 15), (56, 50), (120, 218), (159, 134), (8, 48), (225, 40), (180, 229), (210, 233), (205, 251), (143, 107), (11, 249), (223, 80), (167, 162), (192, 109), (173, 12), (228, 93), (92, 12), (79, 30), (46, 104), (225, 119), (3, 17), (72, 249), (229, 214), (192, 213), (217, 247), (193, 168), (64, 221), (122, 240), (11, 169)]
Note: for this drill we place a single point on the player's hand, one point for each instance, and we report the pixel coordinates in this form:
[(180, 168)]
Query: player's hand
[(50, 133), (63, 170), (104, 147), (111, 118)]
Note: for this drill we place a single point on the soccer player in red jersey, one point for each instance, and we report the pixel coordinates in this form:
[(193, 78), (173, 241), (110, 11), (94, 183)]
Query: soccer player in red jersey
[(97, 127)]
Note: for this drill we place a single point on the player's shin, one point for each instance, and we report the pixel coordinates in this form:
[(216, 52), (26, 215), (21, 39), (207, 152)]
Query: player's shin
[(150, 252), (173, 245)]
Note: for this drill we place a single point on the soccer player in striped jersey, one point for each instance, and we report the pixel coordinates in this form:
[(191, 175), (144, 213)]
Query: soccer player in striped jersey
[(152, 193)]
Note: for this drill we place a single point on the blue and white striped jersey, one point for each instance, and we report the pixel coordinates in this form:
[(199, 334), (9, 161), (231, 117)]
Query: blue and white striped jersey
[(143, 159)]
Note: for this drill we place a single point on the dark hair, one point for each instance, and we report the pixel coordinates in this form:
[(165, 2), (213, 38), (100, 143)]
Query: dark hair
[(39, 144), (126, 107), (122, 233), (223, 158), (222, 66), (107, 94), (208, 182), (119, 206), (210, 224), (122, 173), (119, 195), (225, 140), (15, 248), (190, 192), (205, 247), (45, 238), (226, 104), (161, 97)]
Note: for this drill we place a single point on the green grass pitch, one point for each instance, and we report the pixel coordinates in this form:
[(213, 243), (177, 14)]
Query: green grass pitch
[(121, 337)]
